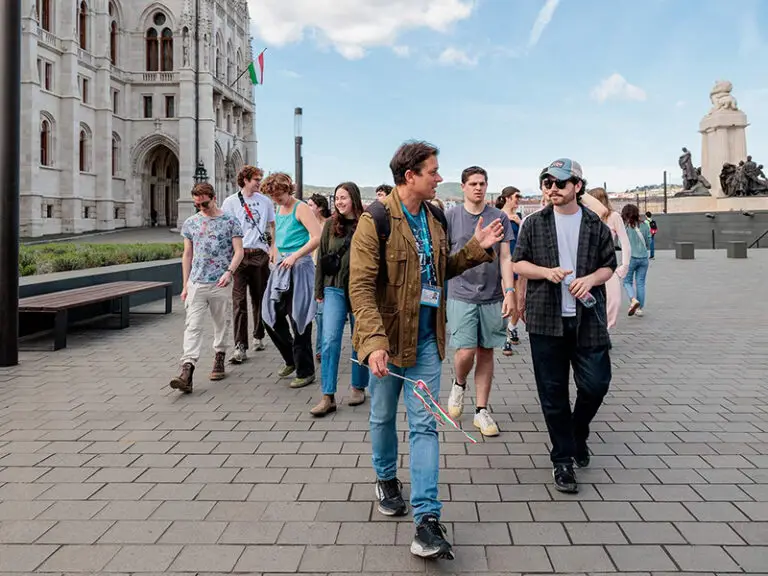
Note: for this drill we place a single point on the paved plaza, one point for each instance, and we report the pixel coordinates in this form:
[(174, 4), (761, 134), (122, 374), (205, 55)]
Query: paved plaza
[(105, 469)]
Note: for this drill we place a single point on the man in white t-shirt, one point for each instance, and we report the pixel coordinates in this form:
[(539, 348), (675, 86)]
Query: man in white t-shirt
[(256, 214), (567, 254)]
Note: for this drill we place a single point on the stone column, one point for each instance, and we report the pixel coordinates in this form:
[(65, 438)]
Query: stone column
[(102, 131), (30, 210), (186, 114), (723, 139)]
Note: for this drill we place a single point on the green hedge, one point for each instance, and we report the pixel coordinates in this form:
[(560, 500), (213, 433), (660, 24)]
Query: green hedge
[(59, 257)]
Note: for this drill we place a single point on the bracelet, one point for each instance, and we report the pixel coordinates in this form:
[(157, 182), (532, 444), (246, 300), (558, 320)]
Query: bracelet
[(510, 289)]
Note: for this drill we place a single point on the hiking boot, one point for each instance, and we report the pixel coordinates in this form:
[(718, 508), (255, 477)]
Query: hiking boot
[(258, 345), (183, 382), (240, 354), (326, 405), (218, 372), (565, 479), (429, 541), (356, 397), (301, 382), (286, 371), (456, 400), (390, 496), (582, 455), (485, 423)]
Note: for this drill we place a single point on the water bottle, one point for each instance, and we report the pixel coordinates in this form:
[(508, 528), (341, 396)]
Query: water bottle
[(588, 301)]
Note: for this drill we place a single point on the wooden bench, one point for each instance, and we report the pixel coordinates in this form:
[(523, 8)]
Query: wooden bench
[(59, 303)]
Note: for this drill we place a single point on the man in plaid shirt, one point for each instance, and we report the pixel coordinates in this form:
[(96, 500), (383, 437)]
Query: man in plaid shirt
[(567, 253)]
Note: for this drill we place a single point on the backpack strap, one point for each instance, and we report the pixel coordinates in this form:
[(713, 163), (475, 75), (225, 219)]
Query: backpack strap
[(380, 216)]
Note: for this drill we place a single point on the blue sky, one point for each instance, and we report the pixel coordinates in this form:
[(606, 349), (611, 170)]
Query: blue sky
[(510, 85)]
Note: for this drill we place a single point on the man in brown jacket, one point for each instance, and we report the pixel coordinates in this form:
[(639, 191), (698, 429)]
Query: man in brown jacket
[(396, 292)]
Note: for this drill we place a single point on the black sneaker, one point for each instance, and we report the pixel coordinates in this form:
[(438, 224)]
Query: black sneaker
[(429, 541), (565, 479), (582, 455), (507, 350), (390, 495), (514, 336)]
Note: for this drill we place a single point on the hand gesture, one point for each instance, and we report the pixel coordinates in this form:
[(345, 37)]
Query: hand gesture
[(377, 361), (491, 234), (509, 306), (225, 279), (557, 275), (581, 287), (288, 262)]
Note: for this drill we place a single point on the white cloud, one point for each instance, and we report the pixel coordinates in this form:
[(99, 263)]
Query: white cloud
[(290, 74), (542, 20), (352, 26), (402, 51), (456, 57), (616, 87)]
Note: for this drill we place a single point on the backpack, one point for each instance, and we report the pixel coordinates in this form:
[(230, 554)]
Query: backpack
[(380, 216)]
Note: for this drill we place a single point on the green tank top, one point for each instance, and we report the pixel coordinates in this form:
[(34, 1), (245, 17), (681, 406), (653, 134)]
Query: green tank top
[(290, 234)]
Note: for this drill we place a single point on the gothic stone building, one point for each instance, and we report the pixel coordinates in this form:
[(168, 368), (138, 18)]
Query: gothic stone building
[(108, 114)]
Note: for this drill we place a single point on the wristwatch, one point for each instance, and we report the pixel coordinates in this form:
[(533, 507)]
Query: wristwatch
[(510, 289)]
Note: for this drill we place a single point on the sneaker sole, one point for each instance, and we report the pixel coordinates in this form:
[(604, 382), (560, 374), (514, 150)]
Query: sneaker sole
[(633, 309), (302, 384), (567, 489), (444, 552), (237, 361), (386, 511), (508, 353), (321, 414), (217, 376), (489, 435)]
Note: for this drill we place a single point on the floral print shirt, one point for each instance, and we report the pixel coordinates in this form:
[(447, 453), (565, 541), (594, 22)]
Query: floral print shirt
[(212, 243)]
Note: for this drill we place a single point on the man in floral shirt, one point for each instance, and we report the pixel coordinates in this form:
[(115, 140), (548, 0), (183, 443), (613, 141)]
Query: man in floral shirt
[(213, 249)]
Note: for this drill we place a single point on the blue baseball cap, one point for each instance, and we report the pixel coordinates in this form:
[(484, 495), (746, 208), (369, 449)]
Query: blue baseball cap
[(564, 168)]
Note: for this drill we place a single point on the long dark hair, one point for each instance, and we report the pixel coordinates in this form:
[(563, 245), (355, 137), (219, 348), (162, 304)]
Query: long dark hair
[(341, 225), (507, 192), (322, 204), (631, 215)]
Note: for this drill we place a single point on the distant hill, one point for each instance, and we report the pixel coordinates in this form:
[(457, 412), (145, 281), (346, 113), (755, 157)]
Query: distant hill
[(445, 190)]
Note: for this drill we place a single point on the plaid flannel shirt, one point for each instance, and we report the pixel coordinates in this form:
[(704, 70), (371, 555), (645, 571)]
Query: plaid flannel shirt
[(537, 244)]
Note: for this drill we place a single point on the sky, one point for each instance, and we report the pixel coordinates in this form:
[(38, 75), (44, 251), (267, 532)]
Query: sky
[(510, 85)]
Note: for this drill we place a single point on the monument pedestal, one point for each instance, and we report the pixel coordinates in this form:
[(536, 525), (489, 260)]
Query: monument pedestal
[(723, 139)]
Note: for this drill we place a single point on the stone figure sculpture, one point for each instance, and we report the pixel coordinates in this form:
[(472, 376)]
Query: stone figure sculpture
[(185, 48), (721, 97), (700, 187), (689, 172), (745, 179)]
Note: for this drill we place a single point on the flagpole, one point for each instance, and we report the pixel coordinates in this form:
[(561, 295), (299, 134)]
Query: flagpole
[(246, 70)]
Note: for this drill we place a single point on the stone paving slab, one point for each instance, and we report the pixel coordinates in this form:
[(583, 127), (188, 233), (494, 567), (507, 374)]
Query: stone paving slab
[(104, 469)]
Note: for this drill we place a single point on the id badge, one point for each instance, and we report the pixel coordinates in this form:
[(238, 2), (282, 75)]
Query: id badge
[(430, 296)]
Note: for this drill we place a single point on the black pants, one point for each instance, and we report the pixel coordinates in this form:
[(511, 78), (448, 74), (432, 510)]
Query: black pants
[(295, 349), (552, 358), (251, 276)]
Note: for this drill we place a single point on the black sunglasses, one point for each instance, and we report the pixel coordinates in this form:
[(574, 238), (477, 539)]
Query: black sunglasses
[(561, 184), (202, 204)]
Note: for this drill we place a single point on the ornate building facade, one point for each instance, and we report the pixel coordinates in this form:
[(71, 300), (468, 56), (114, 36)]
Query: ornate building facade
[(120, 98)]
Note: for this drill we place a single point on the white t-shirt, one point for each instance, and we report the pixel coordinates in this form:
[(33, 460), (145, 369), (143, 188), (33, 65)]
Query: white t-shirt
[(568, 227), (263, 211)]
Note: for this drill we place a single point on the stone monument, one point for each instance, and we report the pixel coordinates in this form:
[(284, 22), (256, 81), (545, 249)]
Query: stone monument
[(723, 135), (694, 182)]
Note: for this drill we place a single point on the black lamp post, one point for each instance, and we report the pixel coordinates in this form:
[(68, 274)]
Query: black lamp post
[(297, 118), (10, 105), (201, 174)]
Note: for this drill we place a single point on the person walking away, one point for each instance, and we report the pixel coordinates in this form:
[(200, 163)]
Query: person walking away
[(289, 303), (479, 300), (331, 286), (213, 249), (639, 234), (509, 202), (567, 255), (319, 206), (654, 228), (597, 200), (256, 215), (398, 268)]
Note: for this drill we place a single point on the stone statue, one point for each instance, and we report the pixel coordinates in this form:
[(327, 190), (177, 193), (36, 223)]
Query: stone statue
[(689, 172), (700, 187), (185, 49), (746, 179), (721, 97)]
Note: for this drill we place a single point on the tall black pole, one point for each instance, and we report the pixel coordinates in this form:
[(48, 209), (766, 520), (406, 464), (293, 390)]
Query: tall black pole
[(197, 83), (10, 71), (299, 140), (665, 191)]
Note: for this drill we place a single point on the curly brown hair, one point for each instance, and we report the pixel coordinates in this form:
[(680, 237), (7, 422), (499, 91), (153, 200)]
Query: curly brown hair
[(248, 173), (203, 189), (276, 184)]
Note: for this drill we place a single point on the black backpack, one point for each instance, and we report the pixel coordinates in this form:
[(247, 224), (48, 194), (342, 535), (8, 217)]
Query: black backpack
[(380, 216)]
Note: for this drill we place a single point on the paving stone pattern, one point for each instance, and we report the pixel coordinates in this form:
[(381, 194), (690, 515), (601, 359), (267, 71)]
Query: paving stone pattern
[(104, 469)]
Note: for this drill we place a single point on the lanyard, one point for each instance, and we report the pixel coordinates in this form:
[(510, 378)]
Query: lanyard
[(423, 243)]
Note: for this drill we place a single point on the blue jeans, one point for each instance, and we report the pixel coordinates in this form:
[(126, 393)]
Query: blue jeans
[(653, 245), (634, 281), (425, 449), (336, 311), (319, 327)]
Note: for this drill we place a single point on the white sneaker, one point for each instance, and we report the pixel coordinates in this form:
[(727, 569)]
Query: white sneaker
[(258, 345), (240, 355), (456, 401), (639, 312), (485, 423)]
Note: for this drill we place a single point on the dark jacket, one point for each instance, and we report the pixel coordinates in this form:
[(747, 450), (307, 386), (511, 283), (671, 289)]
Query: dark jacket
[(329, 243), (537, 244), (387, 317)]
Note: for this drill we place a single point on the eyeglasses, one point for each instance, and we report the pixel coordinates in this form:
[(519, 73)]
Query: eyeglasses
[(202, 204), (561, 184)]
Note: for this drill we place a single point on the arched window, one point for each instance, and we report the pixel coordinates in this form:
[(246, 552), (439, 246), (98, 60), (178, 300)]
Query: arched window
[(159, 45), (115, 154), (44, 14), (82, 24), (85, 148), (153, 59), (166, 50), (219, 58), (230, 64), (45, 143), (112, 35)]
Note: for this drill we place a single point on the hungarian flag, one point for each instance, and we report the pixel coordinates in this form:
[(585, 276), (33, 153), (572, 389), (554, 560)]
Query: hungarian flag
[(257, 77)]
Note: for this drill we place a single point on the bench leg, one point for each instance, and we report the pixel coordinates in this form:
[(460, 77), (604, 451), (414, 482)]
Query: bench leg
[(168, 299), (60, 330), (125, 308)]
